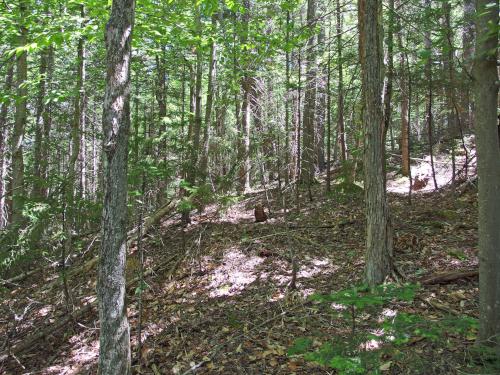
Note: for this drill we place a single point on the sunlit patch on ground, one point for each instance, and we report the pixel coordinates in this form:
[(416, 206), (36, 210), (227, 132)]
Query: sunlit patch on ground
[(338, 306), (421, 170), (387, 313), (315, 267), (237, 270), (84, 354)]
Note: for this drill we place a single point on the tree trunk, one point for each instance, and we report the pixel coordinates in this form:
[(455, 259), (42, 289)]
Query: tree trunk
[(447, 52), (21, 117), (379, 231), (307, 165), (195, 150), (212, 78), (288, 166), (246, 86), (114, 350), (390, 72), (47, 126), (38, 180), (328, 121), (488, 159), (428, 78), (69, 189), (405, 105), (340, 88), (319, 141), (468, 52), (3, 141)]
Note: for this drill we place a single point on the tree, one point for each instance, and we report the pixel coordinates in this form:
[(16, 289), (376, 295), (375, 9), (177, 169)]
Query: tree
[(307, 167), (378, 230), (17, 139), (3, 138), (340, 87), (405, 106), (246, 88), (114, 351), (488, 154)]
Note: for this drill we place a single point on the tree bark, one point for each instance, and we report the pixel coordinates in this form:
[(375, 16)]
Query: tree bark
[(390, 72), (448, 67), (246, 86), (21, 117), (488, 159), (38, 181), (379, 231), (340, 88), (47, 126), (429, 115), (319, 142), (288, 166), (3, 141), (307, 165), (69, 189), (468, 52), (212, 78), (114, 351), (405, 105)]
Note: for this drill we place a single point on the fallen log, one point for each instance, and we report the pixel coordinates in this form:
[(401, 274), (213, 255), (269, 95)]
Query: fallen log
[(24, 275), (446, 277), (21, 277), (149, 222)]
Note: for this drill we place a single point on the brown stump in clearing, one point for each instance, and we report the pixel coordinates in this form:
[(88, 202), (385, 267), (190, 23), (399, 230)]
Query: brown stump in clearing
[(260, 214)]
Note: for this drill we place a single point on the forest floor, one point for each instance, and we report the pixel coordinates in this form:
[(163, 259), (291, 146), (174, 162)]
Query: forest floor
[(218, 298)]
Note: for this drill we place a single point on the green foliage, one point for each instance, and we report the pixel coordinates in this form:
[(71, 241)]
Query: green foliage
[(16, 242), (197, 197), (351, 354), (300, 346)]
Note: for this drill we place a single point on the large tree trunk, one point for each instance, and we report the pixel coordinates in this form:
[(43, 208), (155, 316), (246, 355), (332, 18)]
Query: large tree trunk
[(488, 151), (307, 165), (3, 141), (379, 232), (17, 182), (114, 351)]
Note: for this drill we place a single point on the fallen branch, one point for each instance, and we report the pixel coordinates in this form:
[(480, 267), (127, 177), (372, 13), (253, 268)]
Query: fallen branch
[(443, 278), (24, 275), (149, 222), (440, 306), (30, 341), (21, 277)]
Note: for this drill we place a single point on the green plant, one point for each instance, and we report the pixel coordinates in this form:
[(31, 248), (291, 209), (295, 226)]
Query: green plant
[(361, 350)]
